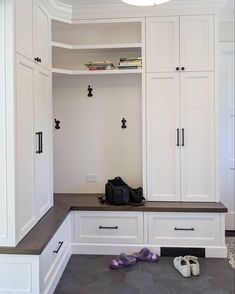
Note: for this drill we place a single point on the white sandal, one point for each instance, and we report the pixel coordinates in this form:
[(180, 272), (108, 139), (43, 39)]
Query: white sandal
[(182, 265), (194, 265)]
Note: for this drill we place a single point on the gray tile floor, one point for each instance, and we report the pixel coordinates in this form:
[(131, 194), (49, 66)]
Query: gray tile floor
[(88, 274)]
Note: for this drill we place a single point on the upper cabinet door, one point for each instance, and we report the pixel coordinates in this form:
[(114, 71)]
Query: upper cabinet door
[(24, 28), (42, 35), (162, 44), (197, 43), (198, 137), (163, 154)]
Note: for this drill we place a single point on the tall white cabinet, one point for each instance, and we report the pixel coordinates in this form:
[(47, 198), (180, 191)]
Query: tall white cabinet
[(27, 191), (181, 109)]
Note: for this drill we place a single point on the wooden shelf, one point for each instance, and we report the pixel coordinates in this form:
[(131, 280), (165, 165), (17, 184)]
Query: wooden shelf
[(96, 46), (57, 71)]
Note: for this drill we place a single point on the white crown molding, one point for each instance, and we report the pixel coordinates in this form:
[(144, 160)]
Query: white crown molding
[(70, 13)]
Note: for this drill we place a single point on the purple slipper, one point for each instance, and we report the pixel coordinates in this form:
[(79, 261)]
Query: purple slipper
[(122, 260), (146, 255)]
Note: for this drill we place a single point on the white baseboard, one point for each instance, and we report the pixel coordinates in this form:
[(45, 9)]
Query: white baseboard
[(58, 273), (115, 249)]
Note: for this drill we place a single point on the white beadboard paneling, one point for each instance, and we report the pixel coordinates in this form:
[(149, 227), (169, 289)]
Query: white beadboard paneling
[(91, 140)]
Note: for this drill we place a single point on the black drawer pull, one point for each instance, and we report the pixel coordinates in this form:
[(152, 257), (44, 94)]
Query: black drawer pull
[(183, 135), (178, 137), (108, 228), (184, 229), (58, 249)]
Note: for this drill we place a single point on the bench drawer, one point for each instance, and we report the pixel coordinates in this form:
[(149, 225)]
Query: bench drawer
[(54, 254), (192, 229), (108, 227)]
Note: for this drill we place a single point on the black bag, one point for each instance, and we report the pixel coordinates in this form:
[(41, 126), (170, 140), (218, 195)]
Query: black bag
[(117, 192)]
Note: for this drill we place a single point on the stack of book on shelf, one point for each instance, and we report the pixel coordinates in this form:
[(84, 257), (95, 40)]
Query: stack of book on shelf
[(130, 63), (99, 65)]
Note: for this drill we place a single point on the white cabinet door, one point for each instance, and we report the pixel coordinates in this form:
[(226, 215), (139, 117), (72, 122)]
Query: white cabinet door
[(197, 43), (43, 132), (198, 142), (163, 154), (25, 144), (42, 35), (24, 28), (162, 44)]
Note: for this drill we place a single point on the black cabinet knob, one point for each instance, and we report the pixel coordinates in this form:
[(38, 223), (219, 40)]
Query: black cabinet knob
[(182, 68), (37, 59), (177, 68)]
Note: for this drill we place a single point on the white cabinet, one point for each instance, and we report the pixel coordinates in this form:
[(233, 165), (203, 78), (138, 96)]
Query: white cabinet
[(198, 129), (25, 28), (25, 145), (55, 257), (26, 109), (33, 31), (43, 146), (184, 43), (37, 274), (108, 227), (197, 43), (162, 37), (163, 156), (42, 36), (180, 137), (33, 143), (184, 229)]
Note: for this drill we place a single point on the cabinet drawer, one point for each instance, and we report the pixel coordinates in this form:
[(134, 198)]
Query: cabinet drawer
[(53, 254), (192, 229), (108, 227)]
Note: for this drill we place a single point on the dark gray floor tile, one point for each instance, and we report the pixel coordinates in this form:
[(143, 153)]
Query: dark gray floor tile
[(90, 274)]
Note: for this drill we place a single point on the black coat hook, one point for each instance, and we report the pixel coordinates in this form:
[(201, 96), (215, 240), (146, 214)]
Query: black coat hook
[(89, 91), (124, 123), (57, 124)]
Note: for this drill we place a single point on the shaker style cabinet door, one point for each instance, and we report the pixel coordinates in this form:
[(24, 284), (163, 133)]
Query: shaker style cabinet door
[(198, 137), (162, 44), (42, 36), (43, 145), (197, 43), (163, 154), (24, 28), (25, 145)]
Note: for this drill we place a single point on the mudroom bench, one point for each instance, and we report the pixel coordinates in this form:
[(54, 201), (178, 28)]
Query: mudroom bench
[(79, 224)]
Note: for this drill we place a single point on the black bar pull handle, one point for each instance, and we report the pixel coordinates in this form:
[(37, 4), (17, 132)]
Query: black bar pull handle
[(38, 151), (108, 228), (184, 229), (183, 136), (59, 247), (41, 147), (178, 137)]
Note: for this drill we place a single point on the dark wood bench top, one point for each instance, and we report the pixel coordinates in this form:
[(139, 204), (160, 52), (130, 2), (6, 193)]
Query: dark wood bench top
[(38, 238)]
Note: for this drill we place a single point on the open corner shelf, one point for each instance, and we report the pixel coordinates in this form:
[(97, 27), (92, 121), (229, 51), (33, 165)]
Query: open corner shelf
[(96, 46), (57, 72)]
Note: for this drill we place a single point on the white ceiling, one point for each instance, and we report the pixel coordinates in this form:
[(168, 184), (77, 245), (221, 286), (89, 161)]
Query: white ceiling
[(90, 2)]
